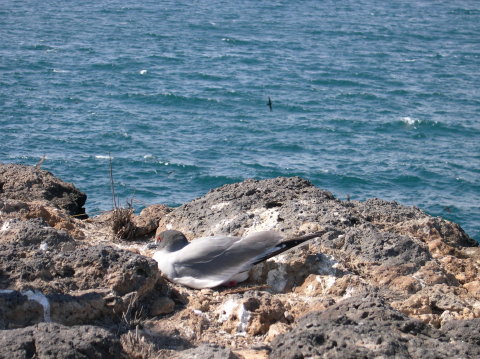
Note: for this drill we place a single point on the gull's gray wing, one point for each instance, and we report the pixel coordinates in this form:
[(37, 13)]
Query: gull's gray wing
[(215, 260)]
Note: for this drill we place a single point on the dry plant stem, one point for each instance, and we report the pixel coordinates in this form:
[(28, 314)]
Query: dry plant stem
[(136, 346), (112, 185), (122, 224), (245, 289)]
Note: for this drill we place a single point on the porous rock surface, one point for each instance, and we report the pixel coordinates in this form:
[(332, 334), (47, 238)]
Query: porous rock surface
[(424, 269), (52, 341), (380, 280), (367, 327), (27, 184), (82, 283)]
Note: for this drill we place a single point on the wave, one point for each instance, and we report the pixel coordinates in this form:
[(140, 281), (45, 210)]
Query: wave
[(435, 127), (339, 83), (460, 11), (234, 41), (166, 98)]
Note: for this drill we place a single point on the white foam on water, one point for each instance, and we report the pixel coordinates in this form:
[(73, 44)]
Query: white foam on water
[(409, 121), (102, 157)]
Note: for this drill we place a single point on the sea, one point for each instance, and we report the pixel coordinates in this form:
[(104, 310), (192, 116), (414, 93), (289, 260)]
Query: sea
[(169, 98)]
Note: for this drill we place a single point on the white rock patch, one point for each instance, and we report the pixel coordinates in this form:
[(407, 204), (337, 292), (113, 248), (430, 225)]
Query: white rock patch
[(41, 299), (263, 220), (277, 278), (235, 308), (219, 206)]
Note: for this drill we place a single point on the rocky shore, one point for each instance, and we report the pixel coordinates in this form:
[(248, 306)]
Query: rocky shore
[(383, 281)]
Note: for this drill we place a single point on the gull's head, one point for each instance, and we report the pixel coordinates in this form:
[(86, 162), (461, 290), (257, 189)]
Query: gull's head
[(171, 241)]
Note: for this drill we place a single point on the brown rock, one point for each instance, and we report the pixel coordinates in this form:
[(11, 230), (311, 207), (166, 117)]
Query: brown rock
[(433, 273), (162, 305), (439, 303), (406, 284), (464, 269), (430, 229), (275, 330), (253, 314), (147, 221), (27, 183), (473, 288)]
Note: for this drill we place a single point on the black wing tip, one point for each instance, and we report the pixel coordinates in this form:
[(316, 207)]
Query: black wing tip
[(288, 244)]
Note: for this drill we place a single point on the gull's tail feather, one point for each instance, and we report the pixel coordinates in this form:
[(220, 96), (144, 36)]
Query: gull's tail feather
[(289, 243)]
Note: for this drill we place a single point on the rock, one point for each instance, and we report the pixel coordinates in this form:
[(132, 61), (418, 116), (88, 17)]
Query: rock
[(207, 351), (146, 222), (252, 314), (81, 284), (26, 183), (383, 213), (34, 232), (439, 303), (18, 311), (275, 330), (463, 330), (14, 210), (430, 229), (87, 308), (367, 244), (249, 206), (362, 327), (80, 269), (51, 341), (382, 280), (162, 305), (473, 288)]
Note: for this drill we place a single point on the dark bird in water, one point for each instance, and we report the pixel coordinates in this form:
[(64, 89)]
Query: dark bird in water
[(219, 260), (269, 103)]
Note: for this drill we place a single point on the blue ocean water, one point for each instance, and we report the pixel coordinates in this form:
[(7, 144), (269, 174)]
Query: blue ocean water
[(370, 98)]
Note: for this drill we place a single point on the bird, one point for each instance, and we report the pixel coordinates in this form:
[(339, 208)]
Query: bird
[(213, 261), (269, 103)]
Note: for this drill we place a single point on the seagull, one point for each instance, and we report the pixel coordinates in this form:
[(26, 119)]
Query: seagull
[(209, 262), (269, 103)]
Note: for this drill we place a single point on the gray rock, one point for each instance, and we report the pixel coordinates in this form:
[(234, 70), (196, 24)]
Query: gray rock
[(294, 206), (83, 285), (17, 311), (463, 330), (37, 231), (366, 327), (27, 183), (54, 341), (207, 351), (366, 243), (379, 211), (84, 268), (234, 208)]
